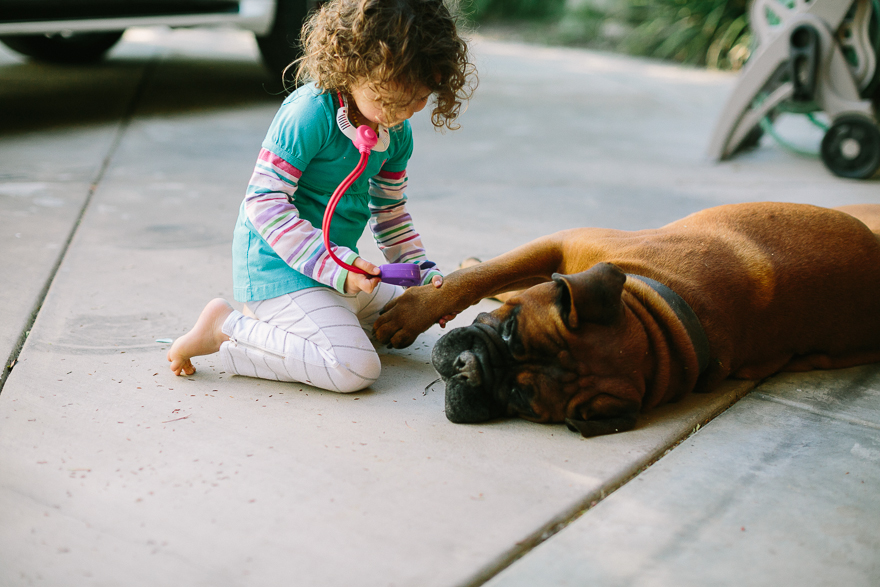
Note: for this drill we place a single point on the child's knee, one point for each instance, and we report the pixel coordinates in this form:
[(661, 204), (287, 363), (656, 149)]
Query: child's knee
[(356, 372)]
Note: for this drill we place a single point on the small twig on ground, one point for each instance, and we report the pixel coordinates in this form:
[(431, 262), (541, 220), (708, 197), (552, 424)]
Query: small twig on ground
[(429, 386)]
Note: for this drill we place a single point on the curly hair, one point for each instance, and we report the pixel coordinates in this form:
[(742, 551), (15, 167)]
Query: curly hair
[(389, 43)]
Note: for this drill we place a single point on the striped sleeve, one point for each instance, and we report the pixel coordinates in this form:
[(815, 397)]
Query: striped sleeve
[(392, 225), (269, 204)]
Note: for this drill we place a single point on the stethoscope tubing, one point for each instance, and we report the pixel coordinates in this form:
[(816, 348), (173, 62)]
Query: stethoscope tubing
[(331, 208), (405, 274)]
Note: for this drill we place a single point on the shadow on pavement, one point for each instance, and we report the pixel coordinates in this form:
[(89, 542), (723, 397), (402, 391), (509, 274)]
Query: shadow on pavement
[(36, 96)]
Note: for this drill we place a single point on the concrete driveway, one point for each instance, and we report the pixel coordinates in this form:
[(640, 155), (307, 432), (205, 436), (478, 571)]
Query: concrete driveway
[(119, 187)]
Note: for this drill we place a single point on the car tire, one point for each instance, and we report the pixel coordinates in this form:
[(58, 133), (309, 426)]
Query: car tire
[(67, 49), (280, 46)]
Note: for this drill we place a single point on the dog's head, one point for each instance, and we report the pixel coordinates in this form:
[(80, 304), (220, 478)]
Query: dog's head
[(566, 350)]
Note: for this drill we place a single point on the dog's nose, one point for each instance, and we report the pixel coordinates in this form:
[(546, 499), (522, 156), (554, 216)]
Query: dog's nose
[(467, 367)]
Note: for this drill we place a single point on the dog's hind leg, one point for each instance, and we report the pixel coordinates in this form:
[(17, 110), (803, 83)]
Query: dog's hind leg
[(756, 371), (818, 361), (869, 214)]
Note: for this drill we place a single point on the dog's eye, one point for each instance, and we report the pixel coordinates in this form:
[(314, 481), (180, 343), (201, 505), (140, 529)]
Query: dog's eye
[(516, 397), (507, 329), (519, 401), (510, 335)]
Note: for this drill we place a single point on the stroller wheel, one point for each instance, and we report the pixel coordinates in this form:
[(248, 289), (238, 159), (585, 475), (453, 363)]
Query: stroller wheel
[(851, 147)]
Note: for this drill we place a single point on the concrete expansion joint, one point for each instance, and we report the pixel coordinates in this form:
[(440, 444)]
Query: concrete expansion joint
[(124, 123), (813, 410)]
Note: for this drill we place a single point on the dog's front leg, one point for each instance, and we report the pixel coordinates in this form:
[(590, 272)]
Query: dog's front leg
[(404, 318)]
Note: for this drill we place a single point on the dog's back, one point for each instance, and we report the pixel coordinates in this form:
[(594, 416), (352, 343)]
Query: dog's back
[(811, 298)]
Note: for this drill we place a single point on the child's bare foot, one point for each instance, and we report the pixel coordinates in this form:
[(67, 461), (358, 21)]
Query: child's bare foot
[(469, 262), (205, 337)]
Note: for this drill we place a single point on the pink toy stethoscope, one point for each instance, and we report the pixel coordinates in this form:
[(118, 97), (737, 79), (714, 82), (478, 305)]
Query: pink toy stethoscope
[(364, 139)]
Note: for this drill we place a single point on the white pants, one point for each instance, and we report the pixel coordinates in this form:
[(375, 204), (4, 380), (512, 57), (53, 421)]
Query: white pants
[(316, 336)]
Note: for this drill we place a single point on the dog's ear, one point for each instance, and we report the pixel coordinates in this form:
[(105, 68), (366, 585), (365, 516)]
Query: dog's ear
[(591, 296), (604, 414)]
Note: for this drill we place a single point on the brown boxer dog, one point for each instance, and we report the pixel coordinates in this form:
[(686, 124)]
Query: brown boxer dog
[(616, 322)]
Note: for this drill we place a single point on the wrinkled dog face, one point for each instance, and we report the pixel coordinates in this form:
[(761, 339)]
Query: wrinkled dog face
[(561, 351)]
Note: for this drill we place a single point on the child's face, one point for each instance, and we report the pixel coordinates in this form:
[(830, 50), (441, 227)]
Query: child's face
[(370, 103)]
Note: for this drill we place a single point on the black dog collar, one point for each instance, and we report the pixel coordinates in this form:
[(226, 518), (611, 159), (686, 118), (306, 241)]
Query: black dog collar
[(687, 316)]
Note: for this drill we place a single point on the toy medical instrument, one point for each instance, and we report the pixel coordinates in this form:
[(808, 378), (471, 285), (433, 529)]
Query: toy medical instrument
[(811, 55), (364, 139)]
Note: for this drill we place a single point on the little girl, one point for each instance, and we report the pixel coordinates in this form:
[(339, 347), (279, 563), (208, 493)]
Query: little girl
[(306, 318)]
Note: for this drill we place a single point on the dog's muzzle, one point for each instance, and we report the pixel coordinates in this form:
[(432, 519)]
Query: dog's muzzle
[(474, 363)]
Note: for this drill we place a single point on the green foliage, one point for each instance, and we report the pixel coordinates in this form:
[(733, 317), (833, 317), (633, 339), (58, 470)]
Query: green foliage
[(481, 10), (699, 32), (711, 33)]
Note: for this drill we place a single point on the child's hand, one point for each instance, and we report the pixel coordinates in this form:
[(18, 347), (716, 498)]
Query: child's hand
[(355, 282), (437, 281)]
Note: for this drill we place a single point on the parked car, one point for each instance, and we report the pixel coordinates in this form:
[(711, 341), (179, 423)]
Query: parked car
[(80, 31)]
